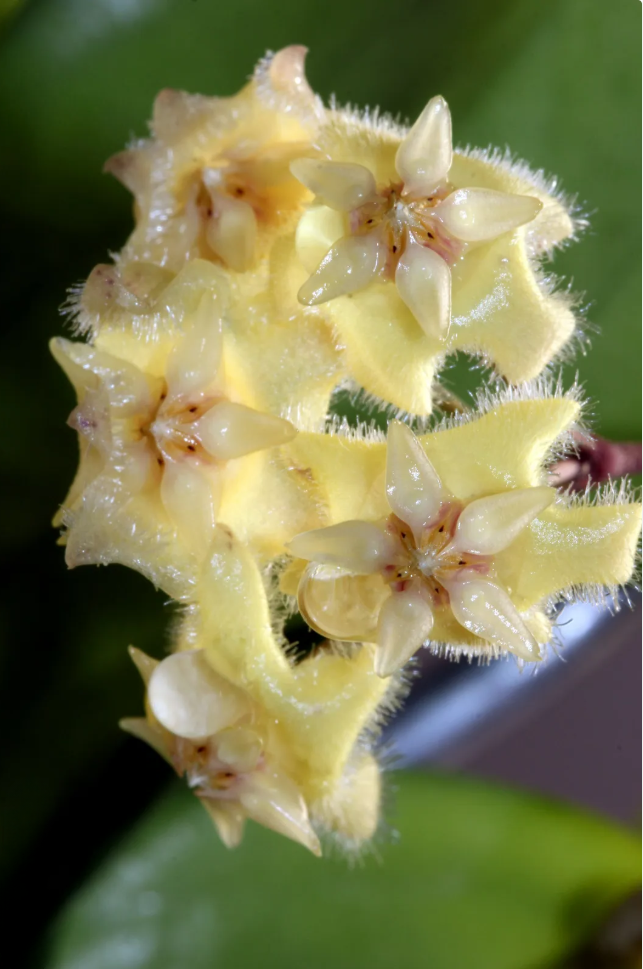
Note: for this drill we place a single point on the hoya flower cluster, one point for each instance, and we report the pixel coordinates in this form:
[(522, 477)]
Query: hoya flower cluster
[(282, 251)]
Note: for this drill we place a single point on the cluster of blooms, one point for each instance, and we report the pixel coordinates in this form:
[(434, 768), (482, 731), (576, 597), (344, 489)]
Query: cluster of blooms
[(283, 250)]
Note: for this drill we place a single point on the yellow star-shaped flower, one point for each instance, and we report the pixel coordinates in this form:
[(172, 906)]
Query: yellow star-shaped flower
[(417, 251), (177, 432), (214, 180), (453, 539), (256, 736)]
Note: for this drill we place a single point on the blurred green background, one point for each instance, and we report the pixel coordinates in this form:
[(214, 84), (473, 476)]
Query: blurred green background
[(475, 880)]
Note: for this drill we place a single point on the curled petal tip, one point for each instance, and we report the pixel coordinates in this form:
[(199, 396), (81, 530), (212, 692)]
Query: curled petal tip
[(357, 546), (423, 280), (481, 214), (405, 622), (350, 265), (424, 158), (486, 610), (144, 664), (413, 488), (489, 525), (340, 186), (229, 430)]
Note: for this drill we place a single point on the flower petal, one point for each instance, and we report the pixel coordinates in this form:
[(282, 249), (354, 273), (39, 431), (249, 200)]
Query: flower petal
[(228, 430), (413, 488), (483, 608), (358, 547), (232, 231), (352, 808), (488, 525), (190, 499), (405, 622), (193, 364), (350, 265), (386, 350), (340, 606), (342, 186), (188, 698), (275, 801), (574, 548), (229, 819), (481, 214), (144, 664), (424, 158), (318, 229), (423, 280)]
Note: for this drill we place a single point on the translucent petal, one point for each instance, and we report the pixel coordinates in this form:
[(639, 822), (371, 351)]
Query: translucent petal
[(190, 700), (350, 265), (129, 391), (340, 606), (342, 186), (480, 214), (229, 819), (423, 280), (488, 525), (144, 664), (318, 229), (232, 231), (413, 488), (356, 546), (485, 610), (193, 365), (424, 158), (405, 622), (189, 498), (275, 801), (228, 430)]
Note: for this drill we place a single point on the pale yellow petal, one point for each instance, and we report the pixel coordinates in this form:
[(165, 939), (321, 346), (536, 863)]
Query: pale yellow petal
[(340, 606), (317, 231), (386, 350), (229, 819), (413, 488), (424, 157), (188, 698), (352, 808), (274, 800), (350, 265), (405, 622), (356, 546), (481, 214), (423, 280), (193, 365), (486, 610), (191, 496), (228, 430), (571, 548), (342, 186), (489, 525)]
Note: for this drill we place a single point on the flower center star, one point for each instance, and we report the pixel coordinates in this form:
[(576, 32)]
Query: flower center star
[(410, 232), (236, 194), (433, 554)]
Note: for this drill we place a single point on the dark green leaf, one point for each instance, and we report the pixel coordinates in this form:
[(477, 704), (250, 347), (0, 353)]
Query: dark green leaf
[(480, 877)]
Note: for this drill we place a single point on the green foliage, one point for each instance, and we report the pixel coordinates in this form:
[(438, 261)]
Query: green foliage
[(480, 877)]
